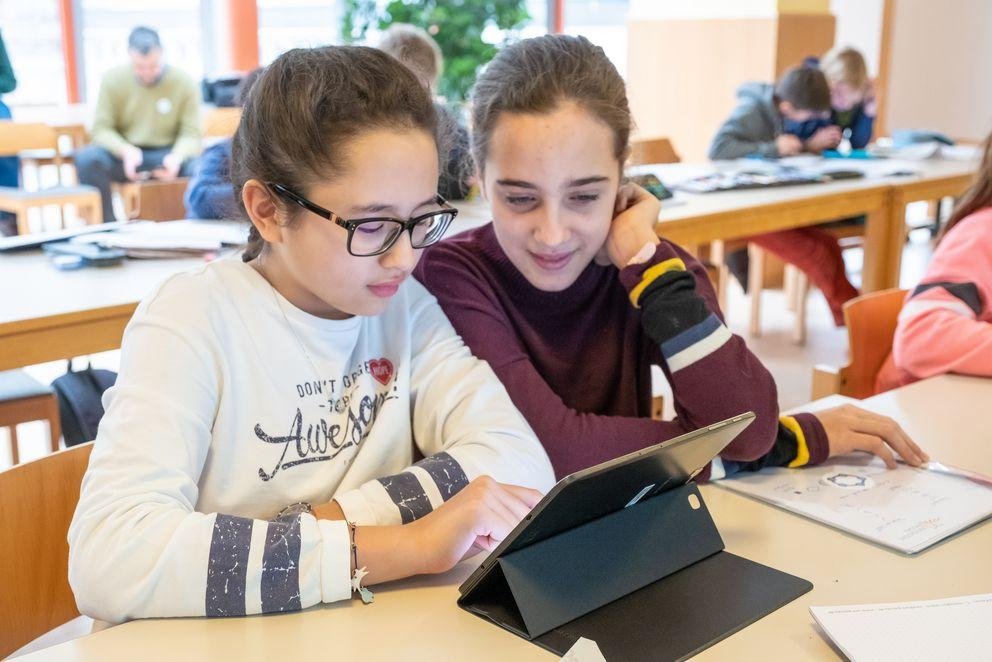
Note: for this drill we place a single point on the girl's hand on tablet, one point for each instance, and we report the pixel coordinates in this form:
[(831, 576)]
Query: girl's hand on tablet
[(480, 517)]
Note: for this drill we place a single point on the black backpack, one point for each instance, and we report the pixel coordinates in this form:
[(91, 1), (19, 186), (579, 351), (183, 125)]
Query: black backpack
[(80, 407)]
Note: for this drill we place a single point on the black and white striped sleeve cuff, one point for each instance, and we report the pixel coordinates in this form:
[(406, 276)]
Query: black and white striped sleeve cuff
[(406, 496)]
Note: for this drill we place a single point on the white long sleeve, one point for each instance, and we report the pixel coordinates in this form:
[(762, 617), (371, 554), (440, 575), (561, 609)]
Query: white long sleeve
[(219, 419)]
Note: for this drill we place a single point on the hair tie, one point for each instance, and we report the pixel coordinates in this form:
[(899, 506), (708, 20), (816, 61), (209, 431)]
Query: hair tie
[(812, 62)]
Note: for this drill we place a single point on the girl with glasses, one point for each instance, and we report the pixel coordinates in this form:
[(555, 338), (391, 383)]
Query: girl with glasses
[(571, 296), (259, 450)]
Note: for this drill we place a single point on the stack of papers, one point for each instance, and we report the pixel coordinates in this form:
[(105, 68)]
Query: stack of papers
[(149, 239), (748, 179), (905, 509), (949, 629), (929, 150)]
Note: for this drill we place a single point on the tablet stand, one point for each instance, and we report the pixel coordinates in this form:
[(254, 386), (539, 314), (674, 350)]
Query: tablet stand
[(650, 581)]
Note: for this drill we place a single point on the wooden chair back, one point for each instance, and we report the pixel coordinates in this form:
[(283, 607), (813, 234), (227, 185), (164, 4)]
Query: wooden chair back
[(155, 200), (37, 500), (221, 122), (871, 325), (19, 136), (654, 150)]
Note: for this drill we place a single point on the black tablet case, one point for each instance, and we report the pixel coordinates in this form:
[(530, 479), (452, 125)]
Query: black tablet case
[(648, 582)]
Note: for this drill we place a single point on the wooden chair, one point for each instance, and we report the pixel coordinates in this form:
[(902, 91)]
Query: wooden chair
[(16, 137), (37, 159), (653, 150), (37, 500), (221, 122), (154, 200), (24, 399), (796, 281), (871, 324)]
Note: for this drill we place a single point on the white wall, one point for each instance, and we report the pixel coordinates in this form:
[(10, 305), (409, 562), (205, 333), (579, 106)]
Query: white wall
[(941, 67), (859, 25)]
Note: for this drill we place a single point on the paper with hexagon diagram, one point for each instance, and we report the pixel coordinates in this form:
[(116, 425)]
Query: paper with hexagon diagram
[(905, 509)]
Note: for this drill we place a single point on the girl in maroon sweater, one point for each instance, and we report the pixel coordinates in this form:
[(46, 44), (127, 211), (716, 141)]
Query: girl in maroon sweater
[(571, 297)]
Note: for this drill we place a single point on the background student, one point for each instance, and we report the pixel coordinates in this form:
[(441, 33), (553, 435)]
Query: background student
[(852, 95), (257, 450), (946, 323), (571, 296), (420, 53), (785, 119), (147, 119), (209, 194)]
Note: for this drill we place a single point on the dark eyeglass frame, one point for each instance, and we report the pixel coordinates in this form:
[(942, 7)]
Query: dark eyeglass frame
[(352, 225)]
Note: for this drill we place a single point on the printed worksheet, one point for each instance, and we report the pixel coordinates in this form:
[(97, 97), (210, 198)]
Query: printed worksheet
[(948, 629), (906, 509)]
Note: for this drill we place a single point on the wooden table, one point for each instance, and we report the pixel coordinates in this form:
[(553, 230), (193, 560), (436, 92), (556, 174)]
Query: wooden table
[(49, 314), (46, 314), (417, 619), (57, 315), (737, 214)]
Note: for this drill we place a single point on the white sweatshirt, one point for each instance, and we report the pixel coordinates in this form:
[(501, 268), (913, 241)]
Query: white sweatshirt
[(219, 420)]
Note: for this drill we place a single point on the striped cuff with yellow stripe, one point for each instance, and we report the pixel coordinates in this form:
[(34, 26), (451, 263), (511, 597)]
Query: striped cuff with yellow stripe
[(802, 449), (651, 274)]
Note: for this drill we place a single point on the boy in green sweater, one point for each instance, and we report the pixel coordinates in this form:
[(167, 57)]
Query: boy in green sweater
[(146, 122)]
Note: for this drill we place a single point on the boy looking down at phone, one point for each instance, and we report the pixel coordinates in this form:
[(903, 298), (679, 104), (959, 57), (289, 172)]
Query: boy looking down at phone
[(146, 122)]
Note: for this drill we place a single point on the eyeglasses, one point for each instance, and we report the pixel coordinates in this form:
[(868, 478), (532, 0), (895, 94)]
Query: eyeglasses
[(375, 236)]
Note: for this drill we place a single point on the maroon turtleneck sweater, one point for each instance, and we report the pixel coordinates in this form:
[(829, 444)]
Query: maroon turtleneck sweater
[(577, 362)]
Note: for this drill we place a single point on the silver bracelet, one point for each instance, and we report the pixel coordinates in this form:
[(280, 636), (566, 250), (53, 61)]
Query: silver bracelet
[(359, 573)]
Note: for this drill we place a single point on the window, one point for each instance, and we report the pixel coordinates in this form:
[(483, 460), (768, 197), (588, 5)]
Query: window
[(106, 25), (32, 34), (604, 23), (286, 24)]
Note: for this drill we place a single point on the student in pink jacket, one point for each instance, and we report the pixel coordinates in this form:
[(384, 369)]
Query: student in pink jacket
[(946, 323)]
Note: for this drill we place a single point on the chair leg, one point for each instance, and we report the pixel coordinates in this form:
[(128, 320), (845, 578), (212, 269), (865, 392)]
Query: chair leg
[(717, 255), (799, 299), (755, 284), (22, 221), (15, 455), (789, 286), (54, 423)]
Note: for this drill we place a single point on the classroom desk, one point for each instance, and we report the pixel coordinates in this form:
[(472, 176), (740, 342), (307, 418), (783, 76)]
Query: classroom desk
[(69, 314), (703, 218), (417, 619), (48, 314)]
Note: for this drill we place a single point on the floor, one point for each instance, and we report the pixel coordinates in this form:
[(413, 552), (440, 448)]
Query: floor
[(790, 364)]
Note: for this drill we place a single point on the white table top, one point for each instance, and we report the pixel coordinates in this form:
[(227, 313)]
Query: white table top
[(417, 619)]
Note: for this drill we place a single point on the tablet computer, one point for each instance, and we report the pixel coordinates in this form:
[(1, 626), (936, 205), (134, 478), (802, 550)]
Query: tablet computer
[(591, 493)]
